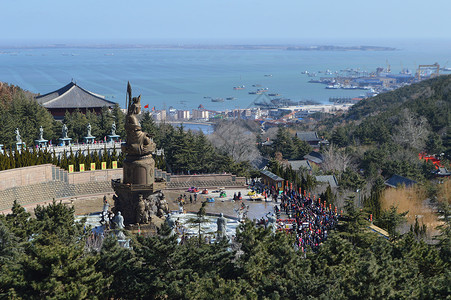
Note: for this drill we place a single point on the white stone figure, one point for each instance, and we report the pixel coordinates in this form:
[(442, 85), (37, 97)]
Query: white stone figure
[(41, 133), (18, 138), (64, 131), (221, 222), (89, 130)]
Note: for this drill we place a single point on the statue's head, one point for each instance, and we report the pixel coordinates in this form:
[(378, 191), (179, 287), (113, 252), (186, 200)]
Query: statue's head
[(221, 215), (136, 105)]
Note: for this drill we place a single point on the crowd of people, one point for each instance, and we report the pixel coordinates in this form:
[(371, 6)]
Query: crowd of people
[(312, 218)]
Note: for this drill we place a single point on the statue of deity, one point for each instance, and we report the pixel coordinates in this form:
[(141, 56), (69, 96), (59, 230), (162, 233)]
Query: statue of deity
[(271, 222), (41, 133), (89, 130), (138, 142), (119, 221), (113, 129), (18, 138), (221, 222), (64, 131), (141, 216)]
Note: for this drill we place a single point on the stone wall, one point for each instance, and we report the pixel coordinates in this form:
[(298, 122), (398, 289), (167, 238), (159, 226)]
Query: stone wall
[(41, 183), (94, 176), (205, 181), (25, 176)]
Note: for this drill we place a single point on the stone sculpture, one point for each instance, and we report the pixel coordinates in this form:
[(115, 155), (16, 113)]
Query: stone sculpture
[(138, 142), (113, 129), (18, 138), (221, 222), (89, 130), (118, 221), (41, 133), (64, 131), (271, 222), (138, 196)]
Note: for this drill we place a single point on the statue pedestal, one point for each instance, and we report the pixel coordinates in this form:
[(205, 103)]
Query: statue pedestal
[(113, 138), (41, 143), (20, 145), (89, 139), (138, 197), (139, 169), (139, 202), (65, 141)]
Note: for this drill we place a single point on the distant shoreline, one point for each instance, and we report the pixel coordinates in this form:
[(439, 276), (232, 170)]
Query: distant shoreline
[(204, 47)]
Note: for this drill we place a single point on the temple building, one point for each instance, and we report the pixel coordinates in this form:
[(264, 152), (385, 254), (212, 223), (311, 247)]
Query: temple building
[(70, 98)]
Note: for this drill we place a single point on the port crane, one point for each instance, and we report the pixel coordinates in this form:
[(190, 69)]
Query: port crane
[(435, 66)]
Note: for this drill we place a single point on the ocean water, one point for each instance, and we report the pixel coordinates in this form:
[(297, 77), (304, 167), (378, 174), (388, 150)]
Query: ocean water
[(183, 78)]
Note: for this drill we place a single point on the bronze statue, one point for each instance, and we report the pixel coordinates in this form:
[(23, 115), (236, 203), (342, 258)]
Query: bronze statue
[(138, 195), (138, 141)]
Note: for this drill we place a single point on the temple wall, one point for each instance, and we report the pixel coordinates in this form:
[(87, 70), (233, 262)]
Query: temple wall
[(35, 184)]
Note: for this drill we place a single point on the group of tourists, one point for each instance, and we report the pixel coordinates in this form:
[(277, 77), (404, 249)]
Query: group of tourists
[(312, 219), (183, 199)]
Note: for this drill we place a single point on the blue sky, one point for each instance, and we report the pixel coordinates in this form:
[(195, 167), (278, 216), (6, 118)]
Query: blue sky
[(224, 20)]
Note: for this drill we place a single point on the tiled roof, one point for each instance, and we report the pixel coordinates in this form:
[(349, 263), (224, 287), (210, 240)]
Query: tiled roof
[(73, 96), (328, 179), (308, 136), (271, 175), (397, 180), (315, 157), (297, 164)]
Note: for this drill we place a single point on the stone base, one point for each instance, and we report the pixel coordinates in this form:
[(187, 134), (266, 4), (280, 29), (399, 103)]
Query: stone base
[(139, 170), (139, 206)]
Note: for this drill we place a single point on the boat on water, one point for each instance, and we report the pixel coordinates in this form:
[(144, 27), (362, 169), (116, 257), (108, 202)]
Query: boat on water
[(217, 100), (240, 87), (230, 98), (273, 95), (268, 75), (333, 87), (259, 91)]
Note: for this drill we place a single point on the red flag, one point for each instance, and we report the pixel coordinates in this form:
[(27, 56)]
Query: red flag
[(153, 108), (146, 106)]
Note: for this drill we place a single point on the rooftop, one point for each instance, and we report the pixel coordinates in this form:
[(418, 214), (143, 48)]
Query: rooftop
[(397, 180), (73, 96), (271, 175)]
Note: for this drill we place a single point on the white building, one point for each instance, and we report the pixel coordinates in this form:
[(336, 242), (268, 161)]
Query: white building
[(199, 114), (183, 115)]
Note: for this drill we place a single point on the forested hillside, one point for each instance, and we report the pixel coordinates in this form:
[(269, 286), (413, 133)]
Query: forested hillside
[(414, 115), (384, 135)]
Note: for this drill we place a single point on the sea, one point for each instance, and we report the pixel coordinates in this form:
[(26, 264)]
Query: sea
[(186, 78)]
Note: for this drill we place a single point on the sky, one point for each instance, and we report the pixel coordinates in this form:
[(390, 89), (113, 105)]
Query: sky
[(240, 21)]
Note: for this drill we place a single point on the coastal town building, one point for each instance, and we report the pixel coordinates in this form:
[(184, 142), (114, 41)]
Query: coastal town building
[(72, 97), (159, 115), (201, 114), (184, 115)]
